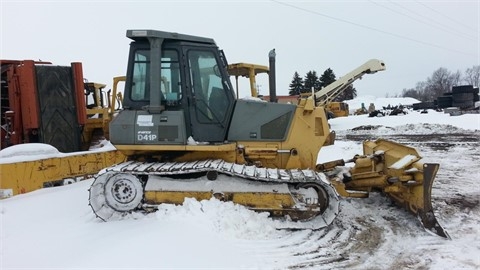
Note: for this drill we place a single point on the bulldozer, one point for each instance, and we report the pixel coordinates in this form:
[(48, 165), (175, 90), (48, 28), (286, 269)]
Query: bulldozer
[(186, 135)]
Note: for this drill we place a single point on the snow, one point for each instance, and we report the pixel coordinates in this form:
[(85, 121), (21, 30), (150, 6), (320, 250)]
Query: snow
[(30, 149), (54, 228), (379, 103), (226, 184), (254, 99), (414, 122), (35, 151), (403, 162)]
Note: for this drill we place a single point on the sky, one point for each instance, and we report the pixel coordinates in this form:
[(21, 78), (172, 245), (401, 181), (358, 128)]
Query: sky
[(414, 38)]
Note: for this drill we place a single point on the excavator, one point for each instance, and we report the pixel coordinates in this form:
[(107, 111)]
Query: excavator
[(186, 135)]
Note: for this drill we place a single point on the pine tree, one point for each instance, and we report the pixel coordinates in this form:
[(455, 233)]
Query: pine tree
[(327, 77), (311, 80), (349, 93), (296, 86)]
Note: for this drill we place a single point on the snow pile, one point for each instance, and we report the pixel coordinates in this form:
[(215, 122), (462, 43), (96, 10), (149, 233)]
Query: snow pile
[(36, 151), (426, 128), (103, 145), (340, 150), (226, 218), (31, 150), (414, 123), (408, 129), (254, 99)]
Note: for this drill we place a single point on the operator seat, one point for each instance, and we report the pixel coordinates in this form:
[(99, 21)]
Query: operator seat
[(218, 102)]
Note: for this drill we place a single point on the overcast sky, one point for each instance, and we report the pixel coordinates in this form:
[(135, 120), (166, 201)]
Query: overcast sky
[(414, 38)]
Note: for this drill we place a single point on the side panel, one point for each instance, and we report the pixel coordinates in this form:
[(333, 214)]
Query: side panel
[(28, 96), (165, 128), (122, 128), (79, 89), (140, 127), (260, 121)]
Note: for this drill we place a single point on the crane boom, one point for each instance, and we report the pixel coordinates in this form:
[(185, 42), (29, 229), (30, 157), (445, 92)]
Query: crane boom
[(331, 91)]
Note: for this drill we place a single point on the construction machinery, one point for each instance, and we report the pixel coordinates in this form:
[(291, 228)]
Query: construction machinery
[(31, 113), (249, 71), (101, 107), (185, 135), (325, 97), (46, 103)]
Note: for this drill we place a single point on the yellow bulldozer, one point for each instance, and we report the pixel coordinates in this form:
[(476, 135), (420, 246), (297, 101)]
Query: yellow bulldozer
[(186, 135), (182, 133)]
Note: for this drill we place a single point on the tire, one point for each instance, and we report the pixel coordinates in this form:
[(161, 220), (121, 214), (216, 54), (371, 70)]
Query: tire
[(113, 195)]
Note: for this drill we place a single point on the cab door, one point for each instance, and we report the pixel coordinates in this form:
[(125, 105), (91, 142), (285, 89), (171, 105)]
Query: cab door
[(211, 98)]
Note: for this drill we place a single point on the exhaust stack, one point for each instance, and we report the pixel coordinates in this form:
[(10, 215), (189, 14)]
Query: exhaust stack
[(271, 76)]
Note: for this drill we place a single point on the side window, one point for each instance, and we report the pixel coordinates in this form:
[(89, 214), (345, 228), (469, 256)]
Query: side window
[(140, 76), (171, 84), (207, 87), (170, 77)]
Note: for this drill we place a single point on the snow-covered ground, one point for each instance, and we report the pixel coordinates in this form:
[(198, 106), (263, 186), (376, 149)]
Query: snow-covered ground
[(55, 228), (379, 102)]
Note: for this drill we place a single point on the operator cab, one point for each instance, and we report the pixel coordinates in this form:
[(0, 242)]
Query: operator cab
[(176, 87)]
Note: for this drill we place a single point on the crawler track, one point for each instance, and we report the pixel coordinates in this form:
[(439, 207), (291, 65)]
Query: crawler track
[(101, 190)]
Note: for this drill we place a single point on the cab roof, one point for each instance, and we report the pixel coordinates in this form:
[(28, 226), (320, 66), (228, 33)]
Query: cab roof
[(145, 34)]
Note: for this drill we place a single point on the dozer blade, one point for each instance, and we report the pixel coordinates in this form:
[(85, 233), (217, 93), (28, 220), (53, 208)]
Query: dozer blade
[(426, 214), (395, 170), (408, 181)]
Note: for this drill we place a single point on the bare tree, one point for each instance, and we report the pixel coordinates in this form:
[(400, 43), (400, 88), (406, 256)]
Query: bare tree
[(411, 93), (440, 82), (472, 76), (456, 78)]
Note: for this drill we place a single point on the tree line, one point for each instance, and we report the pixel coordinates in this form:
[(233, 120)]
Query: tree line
[(311, 80), (441, 81)]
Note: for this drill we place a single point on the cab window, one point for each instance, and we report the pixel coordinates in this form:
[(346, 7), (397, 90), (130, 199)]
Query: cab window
[(170, 82), (207, 86)]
